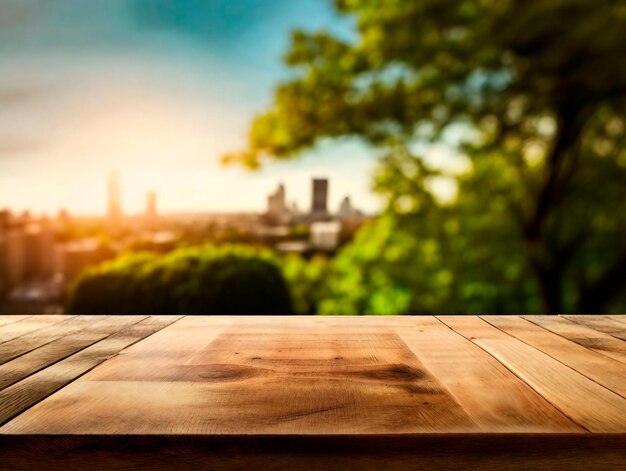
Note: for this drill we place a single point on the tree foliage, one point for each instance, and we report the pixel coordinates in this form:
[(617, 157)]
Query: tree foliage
[(308, 282), (536, 90)]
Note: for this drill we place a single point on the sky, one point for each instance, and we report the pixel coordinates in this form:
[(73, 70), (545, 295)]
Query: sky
[(157, 91)]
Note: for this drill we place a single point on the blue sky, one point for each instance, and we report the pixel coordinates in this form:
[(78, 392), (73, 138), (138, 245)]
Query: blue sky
[(156, 90)]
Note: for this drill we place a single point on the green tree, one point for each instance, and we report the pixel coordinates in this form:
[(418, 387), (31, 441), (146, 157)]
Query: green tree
[(307, 281), (536, 90)]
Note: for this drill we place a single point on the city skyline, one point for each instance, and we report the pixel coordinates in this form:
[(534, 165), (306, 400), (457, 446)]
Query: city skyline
[(40, 256), (158, 95), (113, 204)]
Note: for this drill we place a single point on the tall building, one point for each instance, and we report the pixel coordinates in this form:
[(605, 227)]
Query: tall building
[(319, 199), (15, 252), (346, 210), (151, 206), (26, 250), (276, 203), (114, 212), (38, 248)]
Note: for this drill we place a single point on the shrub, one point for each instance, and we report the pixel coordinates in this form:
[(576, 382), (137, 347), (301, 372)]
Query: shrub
[(204, 280)]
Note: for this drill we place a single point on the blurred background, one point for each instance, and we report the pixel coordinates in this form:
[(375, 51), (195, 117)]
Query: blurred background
[(313, 156)]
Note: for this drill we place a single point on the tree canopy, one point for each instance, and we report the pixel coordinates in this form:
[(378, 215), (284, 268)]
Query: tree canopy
[(535, 92)]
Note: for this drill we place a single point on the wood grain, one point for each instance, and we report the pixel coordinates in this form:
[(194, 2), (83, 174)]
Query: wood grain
[(94, 329), (32, 340), (322, 392), (587, 337), (257, 376), (13, 330), (494, 398), (604, 324), (562, 386), (24, 394), (4, 320), (603, 370)]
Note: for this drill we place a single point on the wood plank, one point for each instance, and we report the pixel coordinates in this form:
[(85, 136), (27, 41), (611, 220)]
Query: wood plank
[(26, 393), (28, 324), (442, 452), (602, 324), (491, 395), (313, 392), (93, 329), (565, 388), (256, 376), (32, 340), (603, 370), (589, 338), (9, 319), (169, 347)]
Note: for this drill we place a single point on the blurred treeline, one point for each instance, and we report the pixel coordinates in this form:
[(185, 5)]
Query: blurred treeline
[(530, 97), (198, 280)]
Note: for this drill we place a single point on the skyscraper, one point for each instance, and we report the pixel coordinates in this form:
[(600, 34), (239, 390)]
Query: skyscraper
[(276, 202), (151, 206), (346, 210), (114, 203), (319, 197)]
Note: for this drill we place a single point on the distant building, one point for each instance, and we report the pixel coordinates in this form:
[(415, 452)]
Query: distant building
[(277, 204), (161, 241), (151, 206), (114, 209), (5, 218), (38, 243), (346, 210), (14, 256), (63, 218), (319, 197), (26, 253), (295, 210), (295, 246), (326, 235), (73, 257), (25, 218)]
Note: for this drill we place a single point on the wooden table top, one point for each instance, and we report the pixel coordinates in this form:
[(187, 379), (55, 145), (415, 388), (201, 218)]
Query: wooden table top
[(318, 376)]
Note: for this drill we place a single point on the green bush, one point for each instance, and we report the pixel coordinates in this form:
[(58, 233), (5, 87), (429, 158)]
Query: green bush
[(308, 282), (203, 280)]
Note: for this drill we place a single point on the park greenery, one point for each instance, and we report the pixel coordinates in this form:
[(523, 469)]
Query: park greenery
[(529, 98), (196, 280), (532, 97)]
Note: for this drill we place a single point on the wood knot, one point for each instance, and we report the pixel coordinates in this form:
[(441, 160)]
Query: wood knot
[(395, 372), (227, 372)]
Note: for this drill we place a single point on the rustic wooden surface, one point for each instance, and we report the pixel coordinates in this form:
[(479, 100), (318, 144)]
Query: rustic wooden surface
[(216, 392)]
